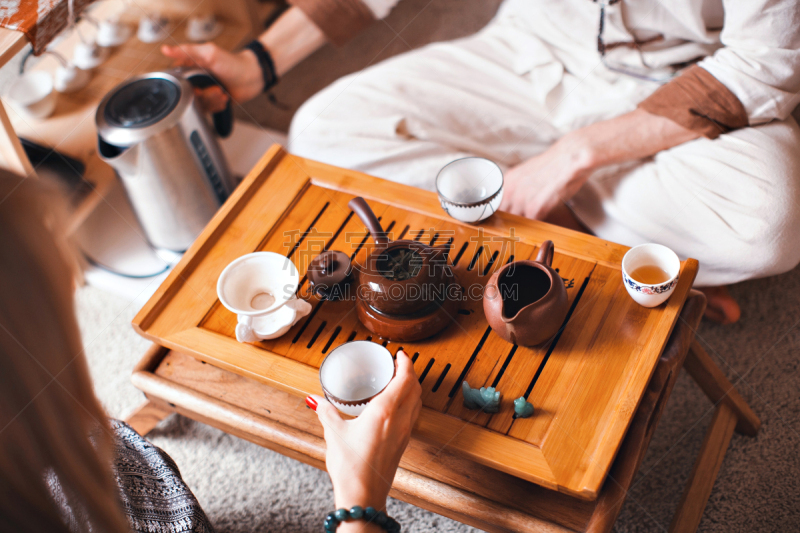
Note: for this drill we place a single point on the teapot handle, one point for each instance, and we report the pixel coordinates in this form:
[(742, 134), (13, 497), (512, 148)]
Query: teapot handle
[(546, 252), (223, 120), (361, 208)]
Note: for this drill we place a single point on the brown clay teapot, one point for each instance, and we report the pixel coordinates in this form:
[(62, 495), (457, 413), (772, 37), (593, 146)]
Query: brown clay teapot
[(399, 277), (525, 302)]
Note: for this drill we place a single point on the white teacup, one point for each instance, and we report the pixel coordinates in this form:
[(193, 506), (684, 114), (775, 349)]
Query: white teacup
[(354, 373), (87, 56), (260, 288), (111, 32), (32, 94), (470, 189), (69, 78), (153, 28), (653, 294), (202, 28)]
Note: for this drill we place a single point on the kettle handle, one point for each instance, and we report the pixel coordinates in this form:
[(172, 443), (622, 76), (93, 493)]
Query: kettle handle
[(546, 252), (223, 120)]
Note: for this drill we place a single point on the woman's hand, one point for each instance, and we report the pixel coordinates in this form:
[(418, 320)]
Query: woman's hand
[(363, 453), (239, 72), (534, 188)]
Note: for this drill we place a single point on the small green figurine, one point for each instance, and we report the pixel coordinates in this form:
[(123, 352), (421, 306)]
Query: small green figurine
[(522, 408), (486, 399)]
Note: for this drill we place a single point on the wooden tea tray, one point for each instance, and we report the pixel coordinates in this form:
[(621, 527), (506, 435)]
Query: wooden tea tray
[(585, 384)]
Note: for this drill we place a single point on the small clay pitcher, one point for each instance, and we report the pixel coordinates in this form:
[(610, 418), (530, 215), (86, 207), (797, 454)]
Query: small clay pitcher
[(525, 302)]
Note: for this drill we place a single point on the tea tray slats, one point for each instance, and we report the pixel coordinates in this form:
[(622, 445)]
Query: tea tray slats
[(585, 384)]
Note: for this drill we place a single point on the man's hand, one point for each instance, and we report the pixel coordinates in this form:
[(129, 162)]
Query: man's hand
[(292, 38), (238, 72), (535, 187)]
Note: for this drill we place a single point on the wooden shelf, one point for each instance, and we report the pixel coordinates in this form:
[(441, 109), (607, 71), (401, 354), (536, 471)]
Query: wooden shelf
[(71, 129)]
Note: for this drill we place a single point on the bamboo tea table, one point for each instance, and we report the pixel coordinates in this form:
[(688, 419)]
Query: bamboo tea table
[(598, 387)]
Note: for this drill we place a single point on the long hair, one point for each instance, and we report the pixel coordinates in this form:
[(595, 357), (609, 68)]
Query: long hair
[(48, 409)]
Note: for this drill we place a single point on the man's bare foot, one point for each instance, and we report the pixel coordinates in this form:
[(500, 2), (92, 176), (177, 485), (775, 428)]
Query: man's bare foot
[(721, 308)]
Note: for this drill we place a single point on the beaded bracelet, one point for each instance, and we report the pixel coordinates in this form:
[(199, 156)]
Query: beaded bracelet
[(370, 514), (265, 62)]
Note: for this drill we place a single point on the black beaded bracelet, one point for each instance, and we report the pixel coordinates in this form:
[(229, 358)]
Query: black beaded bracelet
[(370, 514), (265, 62)]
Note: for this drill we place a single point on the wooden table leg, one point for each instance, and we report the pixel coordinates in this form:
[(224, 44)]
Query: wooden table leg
[(731, 413), (705, 470), (147, 416), (718, 389)]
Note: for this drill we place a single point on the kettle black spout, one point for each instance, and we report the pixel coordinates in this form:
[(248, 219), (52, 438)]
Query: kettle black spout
[(107, 150)]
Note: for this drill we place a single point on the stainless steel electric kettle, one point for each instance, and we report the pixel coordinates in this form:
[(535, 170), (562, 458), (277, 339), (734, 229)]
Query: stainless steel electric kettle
[(151, 130)]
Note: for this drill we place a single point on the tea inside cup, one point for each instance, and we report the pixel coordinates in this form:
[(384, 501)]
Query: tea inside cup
[(257, 284), (355, 372), (470, 189)]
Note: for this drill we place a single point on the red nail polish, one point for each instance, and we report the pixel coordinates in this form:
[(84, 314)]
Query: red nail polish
[(312, 403)]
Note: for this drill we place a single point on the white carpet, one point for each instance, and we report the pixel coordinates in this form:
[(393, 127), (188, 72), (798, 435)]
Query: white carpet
[(245, 488)]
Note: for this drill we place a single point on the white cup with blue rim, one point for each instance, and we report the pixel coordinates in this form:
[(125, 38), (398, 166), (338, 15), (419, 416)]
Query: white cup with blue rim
[(650, 255)]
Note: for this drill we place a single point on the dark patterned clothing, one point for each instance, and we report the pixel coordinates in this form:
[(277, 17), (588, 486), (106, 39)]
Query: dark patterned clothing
[(154, 497)]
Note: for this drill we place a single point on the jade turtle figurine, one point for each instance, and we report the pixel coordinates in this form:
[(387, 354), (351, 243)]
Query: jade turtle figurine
[(522, 408), (487, 398)]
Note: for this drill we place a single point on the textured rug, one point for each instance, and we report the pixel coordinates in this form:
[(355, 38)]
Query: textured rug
[(245, 488)]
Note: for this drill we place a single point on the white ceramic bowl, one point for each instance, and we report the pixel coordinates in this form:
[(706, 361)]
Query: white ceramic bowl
[(32, 94), (470, 189), (650, 254), (354, 373)]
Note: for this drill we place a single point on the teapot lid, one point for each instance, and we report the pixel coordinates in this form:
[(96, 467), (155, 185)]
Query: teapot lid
[(327, 270), (142, 107)]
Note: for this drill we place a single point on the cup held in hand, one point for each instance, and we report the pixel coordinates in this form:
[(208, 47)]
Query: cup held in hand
[(354, 373)]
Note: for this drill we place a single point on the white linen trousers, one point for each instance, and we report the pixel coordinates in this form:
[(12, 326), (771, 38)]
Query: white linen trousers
[(511, 90)]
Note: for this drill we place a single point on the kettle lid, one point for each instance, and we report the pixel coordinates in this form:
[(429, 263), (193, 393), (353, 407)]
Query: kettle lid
[(141, 103), (141, 107)]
